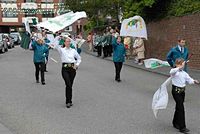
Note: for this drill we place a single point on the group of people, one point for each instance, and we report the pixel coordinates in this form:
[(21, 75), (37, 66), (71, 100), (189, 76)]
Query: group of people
[(177, 57), (103, 42), (69, 54)]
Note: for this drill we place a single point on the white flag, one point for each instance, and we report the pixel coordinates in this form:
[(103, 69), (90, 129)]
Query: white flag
[(60, 22), (160, 98), (134, 27), (27, 26)]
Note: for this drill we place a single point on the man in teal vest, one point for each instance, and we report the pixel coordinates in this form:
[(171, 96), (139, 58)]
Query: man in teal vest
[(180, 51)]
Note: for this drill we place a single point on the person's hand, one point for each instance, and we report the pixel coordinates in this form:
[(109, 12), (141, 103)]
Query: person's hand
[(75, 67), (51, 46), (196, 81), (182, 66)]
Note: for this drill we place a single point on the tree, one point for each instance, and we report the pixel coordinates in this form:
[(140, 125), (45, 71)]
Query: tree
[(97, 10), (136, 7)]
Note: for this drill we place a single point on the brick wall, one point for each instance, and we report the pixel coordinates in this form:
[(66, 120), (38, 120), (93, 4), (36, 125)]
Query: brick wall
[(162, 35)]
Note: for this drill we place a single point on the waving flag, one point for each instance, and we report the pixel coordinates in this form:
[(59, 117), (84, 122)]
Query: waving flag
[(160, 98), (60, 22), (134, 27)]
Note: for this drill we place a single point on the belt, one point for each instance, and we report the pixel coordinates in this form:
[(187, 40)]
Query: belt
[(67, 65), (178, 89)]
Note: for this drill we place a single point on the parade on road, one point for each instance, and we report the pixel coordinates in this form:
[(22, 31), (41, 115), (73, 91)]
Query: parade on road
[(95, 82)]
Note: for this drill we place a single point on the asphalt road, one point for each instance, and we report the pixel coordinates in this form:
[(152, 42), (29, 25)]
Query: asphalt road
[(101, 105)]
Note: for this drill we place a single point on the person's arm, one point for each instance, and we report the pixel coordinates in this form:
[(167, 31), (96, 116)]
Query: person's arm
[(169, 58), (78, 59), (55, 46), (114, 42), (33, 45), (173, 71), (47, 40), (187, 55), (140, 44), (189, 80)]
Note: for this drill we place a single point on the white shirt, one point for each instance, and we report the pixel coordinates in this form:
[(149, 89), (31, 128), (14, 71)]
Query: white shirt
[(68, 55), (182, 51), (180, 78), (56, 40)]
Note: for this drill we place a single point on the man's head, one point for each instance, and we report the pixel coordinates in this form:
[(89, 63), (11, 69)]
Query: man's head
[(181, 42)]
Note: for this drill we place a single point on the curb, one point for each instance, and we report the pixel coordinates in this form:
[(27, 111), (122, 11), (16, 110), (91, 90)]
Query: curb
[(127, 63)]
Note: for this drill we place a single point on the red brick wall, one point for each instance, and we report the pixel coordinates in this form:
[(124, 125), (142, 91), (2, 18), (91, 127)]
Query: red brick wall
[(162, 35)]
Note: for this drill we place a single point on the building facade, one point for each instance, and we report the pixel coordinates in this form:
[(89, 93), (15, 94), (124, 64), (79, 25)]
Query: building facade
[(13, 13)]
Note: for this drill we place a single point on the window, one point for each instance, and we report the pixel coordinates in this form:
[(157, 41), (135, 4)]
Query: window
[(29, 0), (47, 14), (8, 1), (9, 14), (29, 12), (29, 15), (46, 1)]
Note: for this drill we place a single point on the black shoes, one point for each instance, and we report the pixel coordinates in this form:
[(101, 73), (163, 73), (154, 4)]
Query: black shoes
[(68, 105), (176, 126), (118, 80), (184, 130), (43, 83)]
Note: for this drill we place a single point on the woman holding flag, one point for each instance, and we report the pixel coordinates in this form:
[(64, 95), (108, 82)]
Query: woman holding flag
[(70, 61), (119, 52), (40, 52)]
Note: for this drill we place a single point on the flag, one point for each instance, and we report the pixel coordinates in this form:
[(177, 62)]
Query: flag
[(155, 63), (25, 42), (80, 42), (160, 98), (60, 22), (134, 27), (27, 26)]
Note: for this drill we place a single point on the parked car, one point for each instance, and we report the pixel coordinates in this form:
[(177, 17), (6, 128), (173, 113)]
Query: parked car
[(9, 40), (17, 37), (3, 44)]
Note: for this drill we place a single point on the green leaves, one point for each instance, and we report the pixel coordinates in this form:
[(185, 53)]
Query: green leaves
[(182, 7), (98, 10)]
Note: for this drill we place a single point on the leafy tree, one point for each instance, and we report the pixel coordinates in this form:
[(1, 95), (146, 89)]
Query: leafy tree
[(136, 7), (97, 10), (182, 7)]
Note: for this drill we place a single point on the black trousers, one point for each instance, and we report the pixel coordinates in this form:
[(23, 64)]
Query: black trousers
[(110, 50), (99, 50), (39, 67), (179, 114), (45, 68), (68, 75), (118, 67), (105, 51)]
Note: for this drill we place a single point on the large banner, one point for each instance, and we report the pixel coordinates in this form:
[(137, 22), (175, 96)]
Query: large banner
[(60, 22), (160, 97), (27, 26), (134, 27)]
